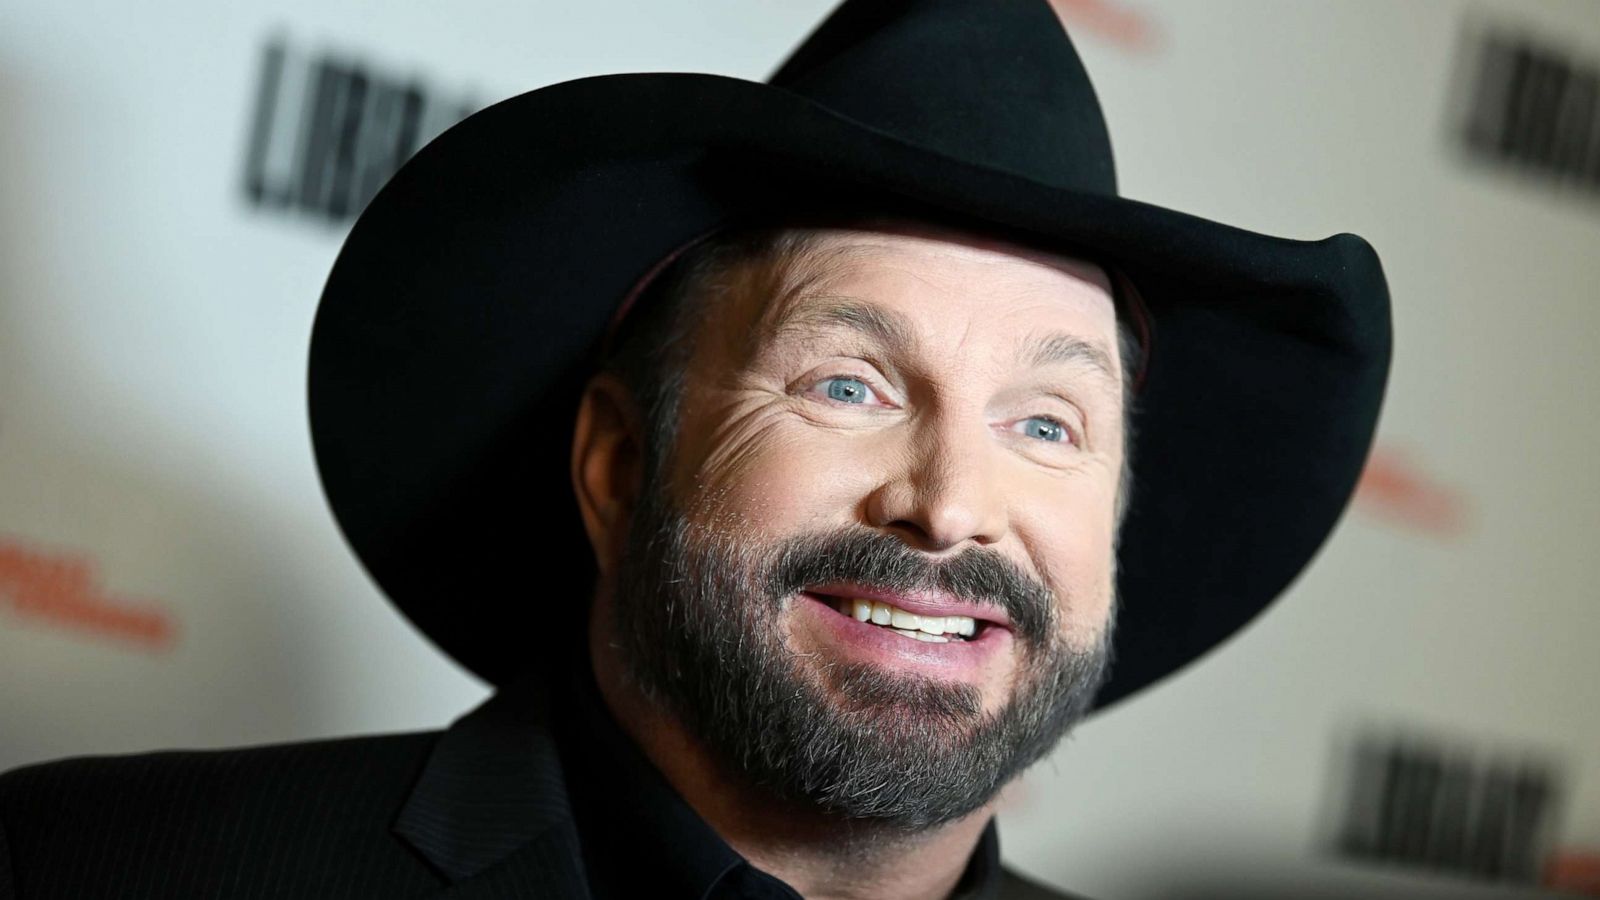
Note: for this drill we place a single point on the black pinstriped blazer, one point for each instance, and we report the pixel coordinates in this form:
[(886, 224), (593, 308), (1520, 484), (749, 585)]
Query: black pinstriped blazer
[(474, 812)]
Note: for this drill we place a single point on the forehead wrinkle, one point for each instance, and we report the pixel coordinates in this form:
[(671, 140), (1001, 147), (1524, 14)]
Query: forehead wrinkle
[(817, 313), (796, 284)]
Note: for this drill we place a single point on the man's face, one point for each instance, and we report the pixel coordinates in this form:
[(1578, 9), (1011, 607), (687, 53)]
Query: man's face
[(913, 428)]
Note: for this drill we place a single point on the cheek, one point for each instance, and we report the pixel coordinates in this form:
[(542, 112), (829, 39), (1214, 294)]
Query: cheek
[(1074, 536)]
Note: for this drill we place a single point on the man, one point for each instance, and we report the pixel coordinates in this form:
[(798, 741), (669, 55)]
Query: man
[(833, 380), (902, 414)]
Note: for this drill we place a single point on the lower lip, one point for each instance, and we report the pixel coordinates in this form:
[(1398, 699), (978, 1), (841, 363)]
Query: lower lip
[(965, 660)]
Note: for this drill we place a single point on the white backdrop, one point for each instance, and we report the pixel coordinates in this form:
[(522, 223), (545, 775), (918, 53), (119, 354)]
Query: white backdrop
[(154, 454)]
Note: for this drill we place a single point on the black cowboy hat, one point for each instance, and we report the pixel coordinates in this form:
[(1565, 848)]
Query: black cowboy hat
[(464, 313)]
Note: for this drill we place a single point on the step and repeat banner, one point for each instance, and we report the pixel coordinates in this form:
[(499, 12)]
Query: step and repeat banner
[(1417, 716)]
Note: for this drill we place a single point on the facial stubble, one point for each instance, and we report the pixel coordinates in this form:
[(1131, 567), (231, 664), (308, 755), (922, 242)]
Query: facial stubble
[(699, 616)]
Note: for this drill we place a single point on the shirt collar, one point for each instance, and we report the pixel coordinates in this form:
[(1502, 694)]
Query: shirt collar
[(629, 818)]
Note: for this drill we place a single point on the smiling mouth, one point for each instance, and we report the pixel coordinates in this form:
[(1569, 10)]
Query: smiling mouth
[(930, 629)]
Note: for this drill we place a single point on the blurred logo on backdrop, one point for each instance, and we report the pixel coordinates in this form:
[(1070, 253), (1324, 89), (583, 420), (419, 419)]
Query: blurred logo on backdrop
[(1447, 805), (1396, 488), (1117, 22), (329, 129), (63, 590), (1529, 104)]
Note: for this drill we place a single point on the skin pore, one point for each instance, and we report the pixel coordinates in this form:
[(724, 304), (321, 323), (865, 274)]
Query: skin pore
[(955, 393)]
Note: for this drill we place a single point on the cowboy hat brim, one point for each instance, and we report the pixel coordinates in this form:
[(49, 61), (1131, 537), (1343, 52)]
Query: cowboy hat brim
[(460, 321)]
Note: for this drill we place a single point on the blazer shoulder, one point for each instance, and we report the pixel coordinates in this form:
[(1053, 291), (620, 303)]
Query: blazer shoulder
[(80, 823), (232, 770)]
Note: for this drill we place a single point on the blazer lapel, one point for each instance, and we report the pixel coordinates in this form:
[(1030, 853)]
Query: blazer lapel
[(490, 811), (545, 867)]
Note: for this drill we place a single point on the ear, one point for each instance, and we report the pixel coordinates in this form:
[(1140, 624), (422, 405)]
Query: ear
[(607, 464)]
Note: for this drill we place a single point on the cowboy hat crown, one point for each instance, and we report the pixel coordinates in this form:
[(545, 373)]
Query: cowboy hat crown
[(996, 84)]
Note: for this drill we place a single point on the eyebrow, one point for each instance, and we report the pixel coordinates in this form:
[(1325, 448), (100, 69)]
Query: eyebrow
[(822, 313), (1069, 348)]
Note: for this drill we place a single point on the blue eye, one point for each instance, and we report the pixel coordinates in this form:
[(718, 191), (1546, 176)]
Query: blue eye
[(846, 389), (854, 391), (1047, 429)]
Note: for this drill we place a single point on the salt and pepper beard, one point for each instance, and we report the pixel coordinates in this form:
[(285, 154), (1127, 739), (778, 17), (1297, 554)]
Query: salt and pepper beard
[(699, 618)]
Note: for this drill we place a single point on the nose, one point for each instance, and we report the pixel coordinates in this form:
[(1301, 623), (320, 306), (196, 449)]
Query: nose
[(946, 492)]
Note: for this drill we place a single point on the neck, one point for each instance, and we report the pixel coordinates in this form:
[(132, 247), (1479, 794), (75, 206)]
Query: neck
[(820, 856)]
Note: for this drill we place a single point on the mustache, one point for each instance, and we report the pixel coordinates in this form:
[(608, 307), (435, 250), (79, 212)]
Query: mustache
[(874, 559)]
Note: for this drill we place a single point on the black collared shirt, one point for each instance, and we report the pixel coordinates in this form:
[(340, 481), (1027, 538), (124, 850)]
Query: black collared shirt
[(635, 830)]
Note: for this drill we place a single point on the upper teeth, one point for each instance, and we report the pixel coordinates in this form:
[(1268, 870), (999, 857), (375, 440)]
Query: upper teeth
[(880, 613)]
